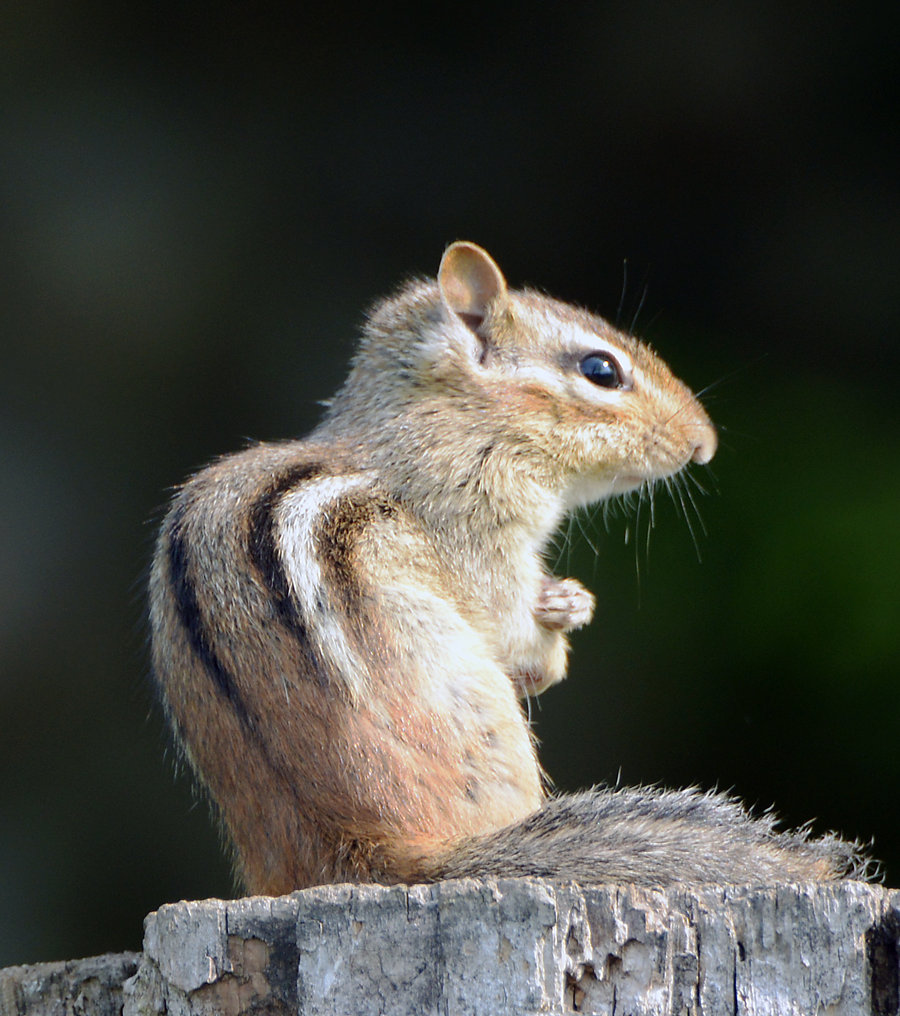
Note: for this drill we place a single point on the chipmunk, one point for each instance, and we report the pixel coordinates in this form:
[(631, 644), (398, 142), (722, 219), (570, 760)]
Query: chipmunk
[(344, 627)]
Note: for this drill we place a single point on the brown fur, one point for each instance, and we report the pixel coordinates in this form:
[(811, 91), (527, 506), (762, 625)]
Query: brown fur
[(342, 625)]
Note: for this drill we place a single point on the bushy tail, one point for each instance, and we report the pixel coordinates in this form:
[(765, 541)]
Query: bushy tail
[(651, 837)]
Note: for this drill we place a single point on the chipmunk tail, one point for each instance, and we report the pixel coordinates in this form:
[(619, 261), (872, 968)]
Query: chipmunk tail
[(653, 837)]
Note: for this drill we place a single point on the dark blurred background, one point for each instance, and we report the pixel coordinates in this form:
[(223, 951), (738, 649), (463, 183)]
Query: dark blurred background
[(196, 204)]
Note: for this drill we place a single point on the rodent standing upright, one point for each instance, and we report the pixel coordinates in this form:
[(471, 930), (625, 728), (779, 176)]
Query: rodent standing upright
[(344, 626)]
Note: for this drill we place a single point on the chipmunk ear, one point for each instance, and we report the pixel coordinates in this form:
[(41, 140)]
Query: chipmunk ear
[(470, 280)]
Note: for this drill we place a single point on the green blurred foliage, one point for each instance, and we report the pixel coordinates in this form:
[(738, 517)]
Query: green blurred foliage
[(196, 206)]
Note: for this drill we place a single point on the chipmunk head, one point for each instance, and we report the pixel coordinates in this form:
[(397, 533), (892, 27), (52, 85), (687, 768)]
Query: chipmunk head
[(600, 402), (539, 391)]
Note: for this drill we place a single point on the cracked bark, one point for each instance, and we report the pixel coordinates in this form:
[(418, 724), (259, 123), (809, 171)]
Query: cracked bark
[(522, 947)]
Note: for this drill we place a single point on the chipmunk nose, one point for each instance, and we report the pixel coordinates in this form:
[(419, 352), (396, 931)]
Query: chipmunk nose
[(705, 444)]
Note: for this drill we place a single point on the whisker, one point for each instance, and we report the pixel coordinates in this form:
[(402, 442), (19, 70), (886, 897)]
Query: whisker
[(670, 482), (622, 295), (562, 541), (689, 400), (590, 517), (606, 512), (695, 506), (640, 307), (583, 532), (689, 477), (651, 522), (680, 494), (637, 556), (732, 373)]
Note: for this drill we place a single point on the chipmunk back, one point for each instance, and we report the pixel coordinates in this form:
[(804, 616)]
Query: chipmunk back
[(344, 626)]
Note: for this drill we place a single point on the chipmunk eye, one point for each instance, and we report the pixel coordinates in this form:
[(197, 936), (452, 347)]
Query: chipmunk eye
[(602, 370)]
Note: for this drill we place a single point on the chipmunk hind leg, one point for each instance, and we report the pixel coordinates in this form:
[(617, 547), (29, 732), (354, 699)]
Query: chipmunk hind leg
[(651, 837)]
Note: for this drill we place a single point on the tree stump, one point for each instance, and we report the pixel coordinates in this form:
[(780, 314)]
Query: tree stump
[(517, 947)]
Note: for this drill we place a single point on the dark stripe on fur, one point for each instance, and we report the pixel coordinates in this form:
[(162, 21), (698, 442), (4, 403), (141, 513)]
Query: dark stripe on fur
[(262, 546), (189, 614), (337, 536)]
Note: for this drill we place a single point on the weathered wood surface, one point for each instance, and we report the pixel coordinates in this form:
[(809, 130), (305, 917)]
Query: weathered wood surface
[(520, 947), (91, 987)]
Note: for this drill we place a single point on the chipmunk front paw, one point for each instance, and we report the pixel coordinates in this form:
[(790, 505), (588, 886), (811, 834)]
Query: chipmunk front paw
[(563, 605)]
